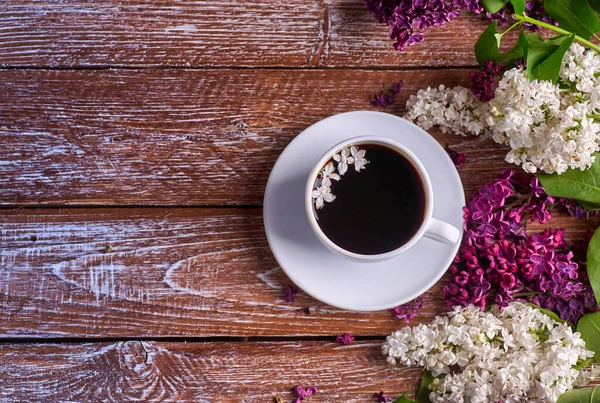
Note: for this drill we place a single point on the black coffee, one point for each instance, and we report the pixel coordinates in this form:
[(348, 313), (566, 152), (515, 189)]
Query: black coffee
[(377, 209)]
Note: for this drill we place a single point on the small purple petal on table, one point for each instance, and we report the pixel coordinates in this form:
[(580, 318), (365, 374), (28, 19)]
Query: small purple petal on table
[(302, 393), (457, 158), (289, 293), (344, 339), (381, 398), (408, 311), (387, 96)]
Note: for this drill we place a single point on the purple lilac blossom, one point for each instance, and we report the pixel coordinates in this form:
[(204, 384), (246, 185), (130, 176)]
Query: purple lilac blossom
[(408, 311), (457, 158), (302, 393), (534, 9), (483, 82), (572, 208), (499, 262), (289, 293), (381, 398), (408, 19), (344, 339), (387, 96)]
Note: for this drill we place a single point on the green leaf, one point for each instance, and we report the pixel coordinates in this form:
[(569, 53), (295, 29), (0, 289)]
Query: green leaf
[(493, 6), (593, 264), (588, 206), (423, 393), (551, 314), (488, 45), (583, 364), (403, 399), (518, 5), (574, 15), (589, 327), (586, 395), (595, 4), (544, 58), (575, 184)]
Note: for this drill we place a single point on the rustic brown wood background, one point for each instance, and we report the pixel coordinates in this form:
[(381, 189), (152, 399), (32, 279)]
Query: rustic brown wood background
[(136, 141)]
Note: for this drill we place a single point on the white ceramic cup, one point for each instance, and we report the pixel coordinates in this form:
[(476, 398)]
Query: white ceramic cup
[(430, 227)]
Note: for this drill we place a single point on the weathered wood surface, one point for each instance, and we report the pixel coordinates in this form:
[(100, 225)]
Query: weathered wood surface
[(200, 99), (139, 33), (168, 272), (181, 137), (197, 372), (164, 272)]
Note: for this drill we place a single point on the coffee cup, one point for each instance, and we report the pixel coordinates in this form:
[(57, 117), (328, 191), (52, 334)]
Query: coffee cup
[(369, 199)]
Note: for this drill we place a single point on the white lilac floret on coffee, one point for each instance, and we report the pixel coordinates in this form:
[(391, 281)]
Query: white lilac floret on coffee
[(518, 354), (334, 170)]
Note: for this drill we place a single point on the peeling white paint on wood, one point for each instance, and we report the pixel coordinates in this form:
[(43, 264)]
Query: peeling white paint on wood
[(181, 137), (199, 372), (230, 33), (170, 272)]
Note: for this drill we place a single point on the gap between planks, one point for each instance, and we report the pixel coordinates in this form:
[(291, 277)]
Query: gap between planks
[(221, 339)]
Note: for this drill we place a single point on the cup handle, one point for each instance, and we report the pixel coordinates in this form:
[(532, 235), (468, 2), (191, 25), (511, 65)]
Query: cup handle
[(442, 231)]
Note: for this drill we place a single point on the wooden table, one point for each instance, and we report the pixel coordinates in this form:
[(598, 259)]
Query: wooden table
[(136, 141)]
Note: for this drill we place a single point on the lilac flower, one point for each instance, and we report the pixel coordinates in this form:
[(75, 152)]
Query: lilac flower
[(483, 82), (567, 269), (408, 311), (344, 339), (542, 263), (499, 262), (381, 398), (387, 96), (521, 64), (573, 208), (302, 393), (536, 189), (408, 18), (457, 158), (289, 293)]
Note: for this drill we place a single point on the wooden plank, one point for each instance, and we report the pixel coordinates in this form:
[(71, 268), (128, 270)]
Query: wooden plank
[(181, 137), (197, 372), (164, 272), (138, 33), (169, 272)]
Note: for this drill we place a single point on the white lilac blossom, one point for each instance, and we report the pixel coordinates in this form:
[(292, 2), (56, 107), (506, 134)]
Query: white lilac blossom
[(321, 195), (322, 191), (343, 159), (359, 158), (327, 174), (549, 127), (518, 355), (454, 110)]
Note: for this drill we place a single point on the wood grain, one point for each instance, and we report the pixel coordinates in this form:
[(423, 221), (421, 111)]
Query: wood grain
[(308, 33), (181, 137), (164, 272), (197, 372), (155, 272)]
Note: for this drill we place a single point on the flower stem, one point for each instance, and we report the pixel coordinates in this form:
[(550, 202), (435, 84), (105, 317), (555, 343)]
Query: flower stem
[(511, 27), (524, 18)]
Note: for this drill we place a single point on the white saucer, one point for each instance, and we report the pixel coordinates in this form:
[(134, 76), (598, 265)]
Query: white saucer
[(329, 277)]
